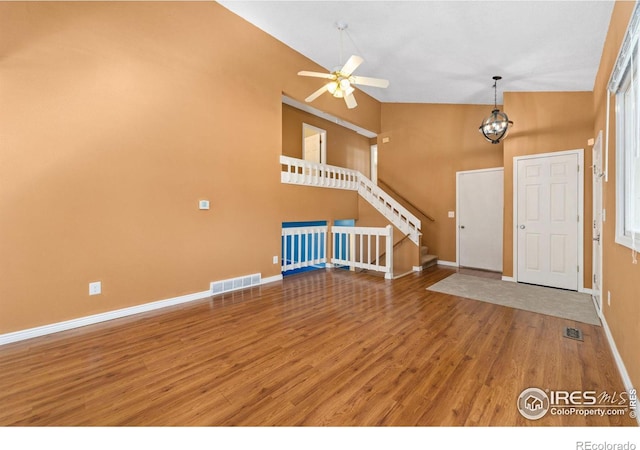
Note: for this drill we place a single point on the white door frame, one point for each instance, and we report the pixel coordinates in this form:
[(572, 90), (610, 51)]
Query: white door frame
[(323, 141), (597, 222), (492, 169), (580, 153)]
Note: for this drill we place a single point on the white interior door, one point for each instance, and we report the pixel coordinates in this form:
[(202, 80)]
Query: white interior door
[(547, 220), (480, 212), (596, 290)]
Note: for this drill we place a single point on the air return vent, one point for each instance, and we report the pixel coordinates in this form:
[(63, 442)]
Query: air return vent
[(573, 333), (234, 284)]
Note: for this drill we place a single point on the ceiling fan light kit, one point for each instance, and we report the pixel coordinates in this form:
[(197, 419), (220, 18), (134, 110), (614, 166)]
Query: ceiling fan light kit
[(342, 79), (495, 127)]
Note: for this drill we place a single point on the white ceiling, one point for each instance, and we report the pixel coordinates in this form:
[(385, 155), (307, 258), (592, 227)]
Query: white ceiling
[(446, 51)]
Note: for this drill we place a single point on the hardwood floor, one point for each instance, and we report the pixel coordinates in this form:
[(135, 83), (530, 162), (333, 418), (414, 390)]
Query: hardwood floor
[(322, 348)]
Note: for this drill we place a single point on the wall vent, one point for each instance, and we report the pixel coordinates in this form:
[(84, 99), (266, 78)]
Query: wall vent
[(234, 284)]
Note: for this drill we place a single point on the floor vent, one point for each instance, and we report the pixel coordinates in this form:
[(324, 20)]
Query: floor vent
[(234, 284), (573, 333)]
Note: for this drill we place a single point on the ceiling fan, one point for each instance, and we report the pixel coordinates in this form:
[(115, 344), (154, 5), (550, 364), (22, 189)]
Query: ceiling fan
[(342, 79)]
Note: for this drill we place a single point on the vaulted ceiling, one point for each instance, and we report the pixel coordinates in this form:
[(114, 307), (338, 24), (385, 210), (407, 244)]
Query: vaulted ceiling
[(445, 51)]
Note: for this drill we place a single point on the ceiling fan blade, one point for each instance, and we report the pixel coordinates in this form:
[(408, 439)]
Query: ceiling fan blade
[(306, 73), (351, 65), (350, 100), (316, 94), (368, 81)]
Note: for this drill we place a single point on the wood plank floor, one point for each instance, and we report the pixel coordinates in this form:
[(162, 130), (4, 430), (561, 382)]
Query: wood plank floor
[(328, 348)]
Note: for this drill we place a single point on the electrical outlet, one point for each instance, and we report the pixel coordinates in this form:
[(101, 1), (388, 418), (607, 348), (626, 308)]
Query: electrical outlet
[(451, 214), (95, 288), (203, 204), (275, 259), (608, 298)]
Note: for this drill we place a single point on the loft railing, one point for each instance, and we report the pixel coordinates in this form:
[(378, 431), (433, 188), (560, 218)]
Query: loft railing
[(301, 172)]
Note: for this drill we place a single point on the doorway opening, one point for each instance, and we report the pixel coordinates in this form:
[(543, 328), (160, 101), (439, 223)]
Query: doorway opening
[(314, 144)]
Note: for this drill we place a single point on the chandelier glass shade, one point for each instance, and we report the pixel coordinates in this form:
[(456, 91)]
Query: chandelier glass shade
[(495, 127), (340, 87)]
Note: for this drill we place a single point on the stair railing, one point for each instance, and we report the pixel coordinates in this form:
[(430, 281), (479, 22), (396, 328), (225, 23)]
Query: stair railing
[(404, 199), (301, 172)]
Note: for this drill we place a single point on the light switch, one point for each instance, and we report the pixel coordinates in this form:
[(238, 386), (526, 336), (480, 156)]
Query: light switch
[(204, 204)]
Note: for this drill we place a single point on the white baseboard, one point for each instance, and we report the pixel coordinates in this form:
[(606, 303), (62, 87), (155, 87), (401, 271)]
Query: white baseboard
[(511, 279), (44, 330), (417, 268), (271, 279), (586, 291), (626, 380), (447, 263), (400, 275)]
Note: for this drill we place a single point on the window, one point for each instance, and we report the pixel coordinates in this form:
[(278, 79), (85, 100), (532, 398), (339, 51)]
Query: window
[(625, 84)]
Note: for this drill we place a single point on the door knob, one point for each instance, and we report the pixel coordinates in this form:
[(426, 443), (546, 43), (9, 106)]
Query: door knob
[(522, 227), (462, 226)]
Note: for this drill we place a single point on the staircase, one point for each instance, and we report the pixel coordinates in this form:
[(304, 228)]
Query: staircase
[(301, 172)]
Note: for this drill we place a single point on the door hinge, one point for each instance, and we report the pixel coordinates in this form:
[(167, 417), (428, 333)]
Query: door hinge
[(594, 278), (578, 267)]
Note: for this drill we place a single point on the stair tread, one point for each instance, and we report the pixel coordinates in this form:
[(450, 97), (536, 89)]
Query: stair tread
[(428, 260)]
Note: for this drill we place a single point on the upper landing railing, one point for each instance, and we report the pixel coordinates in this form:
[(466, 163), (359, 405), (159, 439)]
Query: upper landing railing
[(298, 171)]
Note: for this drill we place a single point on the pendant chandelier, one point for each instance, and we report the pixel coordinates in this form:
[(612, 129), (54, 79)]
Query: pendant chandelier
[(496, 126)]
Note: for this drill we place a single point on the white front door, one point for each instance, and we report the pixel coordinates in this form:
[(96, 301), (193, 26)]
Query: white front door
[(596, 290), (547, 221), (480, 201)]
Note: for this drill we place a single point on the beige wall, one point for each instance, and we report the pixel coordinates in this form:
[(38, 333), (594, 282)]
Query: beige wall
[(547, 122), (428, 144), (620, 276), (345, 148), (116, 118)]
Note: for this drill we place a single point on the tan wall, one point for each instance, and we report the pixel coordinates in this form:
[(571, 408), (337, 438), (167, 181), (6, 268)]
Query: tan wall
[(547, 122), (116, 118), (345, 148), (428, 144), (620, 276)]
